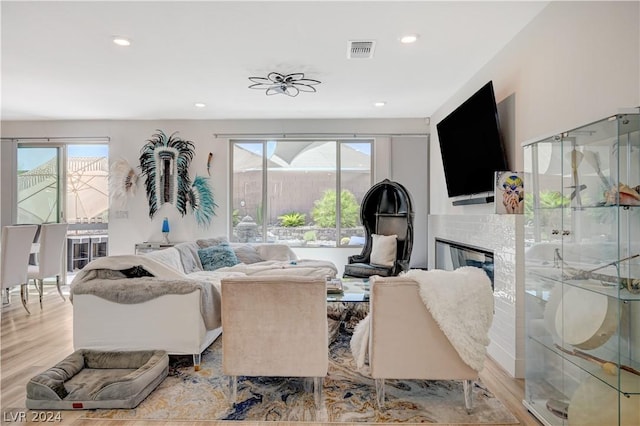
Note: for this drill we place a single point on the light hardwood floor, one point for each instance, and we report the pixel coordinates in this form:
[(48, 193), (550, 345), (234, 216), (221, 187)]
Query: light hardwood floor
[(32, 343)]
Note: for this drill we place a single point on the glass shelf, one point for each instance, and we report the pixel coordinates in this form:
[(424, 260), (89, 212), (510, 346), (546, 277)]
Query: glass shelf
[(592, 368)]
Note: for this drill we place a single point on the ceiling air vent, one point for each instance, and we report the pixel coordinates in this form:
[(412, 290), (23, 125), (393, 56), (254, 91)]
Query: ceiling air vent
[(361, 49)]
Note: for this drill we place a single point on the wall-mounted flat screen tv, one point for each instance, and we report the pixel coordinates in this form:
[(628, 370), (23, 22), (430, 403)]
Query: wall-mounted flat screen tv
[(471, 145)]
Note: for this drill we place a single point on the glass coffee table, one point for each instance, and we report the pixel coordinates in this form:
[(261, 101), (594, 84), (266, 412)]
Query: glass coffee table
[(353, 290), (345, 309)]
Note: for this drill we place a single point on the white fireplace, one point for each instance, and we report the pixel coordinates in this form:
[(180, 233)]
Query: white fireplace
[(451, 255), (502, 235)]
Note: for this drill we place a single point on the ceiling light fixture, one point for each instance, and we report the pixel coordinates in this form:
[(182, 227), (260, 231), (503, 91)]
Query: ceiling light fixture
[(121, 41), (379, 104), (284, 84), (199, 105), (409, 38)]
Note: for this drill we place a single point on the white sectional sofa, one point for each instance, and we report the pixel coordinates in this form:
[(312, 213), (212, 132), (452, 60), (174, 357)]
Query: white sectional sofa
[(165, 299)]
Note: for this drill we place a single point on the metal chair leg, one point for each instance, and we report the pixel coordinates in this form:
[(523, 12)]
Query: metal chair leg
[(36, 284), (467, 385), (59, 289), (23, 298), (40, 291), (196, 362), (233, 389)]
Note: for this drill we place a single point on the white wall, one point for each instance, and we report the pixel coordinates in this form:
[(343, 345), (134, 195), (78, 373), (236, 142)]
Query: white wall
[(577, 62), (408, 161), (128, 137)]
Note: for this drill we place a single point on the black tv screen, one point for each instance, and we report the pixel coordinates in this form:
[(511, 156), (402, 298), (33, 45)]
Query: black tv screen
[(471, 144)]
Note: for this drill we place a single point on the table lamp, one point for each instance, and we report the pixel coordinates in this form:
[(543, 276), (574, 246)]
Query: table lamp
[(165, 230)]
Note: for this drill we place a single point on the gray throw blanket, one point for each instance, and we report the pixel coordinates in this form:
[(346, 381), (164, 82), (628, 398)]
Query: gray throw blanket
[(104, 278)]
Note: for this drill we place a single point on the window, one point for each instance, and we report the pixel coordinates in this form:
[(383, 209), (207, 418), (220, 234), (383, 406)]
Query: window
[(286, 191), (39, 183), (87, 183), (59, 181)]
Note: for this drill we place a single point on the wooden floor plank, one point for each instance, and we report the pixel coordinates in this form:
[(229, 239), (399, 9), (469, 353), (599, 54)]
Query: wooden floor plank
[(30, 344)]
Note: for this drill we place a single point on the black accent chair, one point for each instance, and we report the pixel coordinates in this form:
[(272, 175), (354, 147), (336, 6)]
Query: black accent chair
[(386, 209)]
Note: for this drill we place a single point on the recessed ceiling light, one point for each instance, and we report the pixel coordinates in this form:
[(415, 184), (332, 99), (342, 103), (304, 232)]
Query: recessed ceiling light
[(199, 105), (379, 104), (409, 38), (121, 41)]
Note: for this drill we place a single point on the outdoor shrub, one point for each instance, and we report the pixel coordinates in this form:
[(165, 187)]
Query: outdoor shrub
[(310, 236), (236, 217), (292, 220), (550, 202), (259, 214), (324, 210)]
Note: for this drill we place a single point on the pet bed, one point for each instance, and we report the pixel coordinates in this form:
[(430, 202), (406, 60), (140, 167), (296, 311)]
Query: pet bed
[(89, 379)]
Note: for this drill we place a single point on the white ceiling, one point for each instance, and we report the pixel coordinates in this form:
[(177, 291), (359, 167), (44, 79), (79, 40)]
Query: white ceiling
[(59, 62)]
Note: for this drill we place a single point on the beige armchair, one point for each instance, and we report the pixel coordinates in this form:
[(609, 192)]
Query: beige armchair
[(275, 326), (405, 342)]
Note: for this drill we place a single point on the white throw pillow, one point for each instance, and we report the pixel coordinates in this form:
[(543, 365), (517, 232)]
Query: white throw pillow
[(383, 250)]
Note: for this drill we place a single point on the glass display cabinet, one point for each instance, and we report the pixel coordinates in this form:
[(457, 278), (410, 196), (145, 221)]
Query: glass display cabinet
[(582, 274)]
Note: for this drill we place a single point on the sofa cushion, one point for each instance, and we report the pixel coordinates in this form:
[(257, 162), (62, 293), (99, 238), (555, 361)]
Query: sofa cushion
[(247, 254), (208, 242), (216, 257), (189, 256), (169, 257), (366, 270), (383, 250)]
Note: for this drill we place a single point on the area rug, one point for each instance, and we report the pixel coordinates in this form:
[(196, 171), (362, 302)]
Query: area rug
[(348, 396)]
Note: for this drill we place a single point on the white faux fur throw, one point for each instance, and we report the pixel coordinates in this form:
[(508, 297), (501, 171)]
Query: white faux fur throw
[(460, 301), (360, 341)]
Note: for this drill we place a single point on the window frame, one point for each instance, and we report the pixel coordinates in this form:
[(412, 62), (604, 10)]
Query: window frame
[(62, 146), (339, 141)]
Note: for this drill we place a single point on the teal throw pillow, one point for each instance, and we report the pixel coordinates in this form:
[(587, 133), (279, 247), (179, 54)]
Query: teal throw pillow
[(218, 256)]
